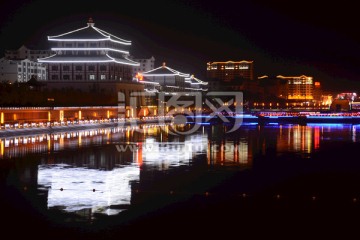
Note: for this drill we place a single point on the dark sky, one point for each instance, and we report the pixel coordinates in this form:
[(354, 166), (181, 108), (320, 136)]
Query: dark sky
[(282, 37)]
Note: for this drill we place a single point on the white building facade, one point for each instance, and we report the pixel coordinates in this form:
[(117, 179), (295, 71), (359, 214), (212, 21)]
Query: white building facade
[(169, 81), (146, 64), (89, 54), (21, 70), (25, 53)]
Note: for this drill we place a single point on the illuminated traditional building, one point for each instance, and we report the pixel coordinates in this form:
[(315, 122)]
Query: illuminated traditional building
[(89, 54), (230, 70), (168, 80), (299, 87)]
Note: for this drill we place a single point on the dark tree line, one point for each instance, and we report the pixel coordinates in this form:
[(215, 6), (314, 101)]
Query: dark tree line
[(35, 94)]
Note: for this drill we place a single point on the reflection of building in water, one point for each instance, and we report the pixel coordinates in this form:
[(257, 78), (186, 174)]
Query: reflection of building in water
[(306, 139), (23, 145), (173, 153), (84, 188), (94, 179), (229, 151), (2, 148), (295, 138)]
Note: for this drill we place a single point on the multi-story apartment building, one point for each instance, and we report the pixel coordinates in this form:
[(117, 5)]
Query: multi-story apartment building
[(25, 53), (21, 70)]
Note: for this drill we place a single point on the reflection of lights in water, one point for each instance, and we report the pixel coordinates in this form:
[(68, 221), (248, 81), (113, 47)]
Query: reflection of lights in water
[(353, 132), (1, 148), (166, 154), (243, 152), (316, 137), (111, 187)]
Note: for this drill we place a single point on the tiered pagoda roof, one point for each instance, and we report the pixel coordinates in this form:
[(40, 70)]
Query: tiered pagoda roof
[(165, 71), (111, 50)]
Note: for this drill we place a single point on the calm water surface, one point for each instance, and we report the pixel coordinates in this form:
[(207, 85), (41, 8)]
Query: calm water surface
[(103, 183)]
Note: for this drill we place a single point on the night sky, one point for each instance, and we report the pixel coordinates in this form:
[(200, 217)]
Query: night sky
[(282, 37)]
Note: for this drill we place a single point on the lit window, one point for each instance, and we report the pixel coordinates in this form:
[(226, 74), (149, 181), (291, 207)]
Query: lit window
[(103, 77), (91, 77)]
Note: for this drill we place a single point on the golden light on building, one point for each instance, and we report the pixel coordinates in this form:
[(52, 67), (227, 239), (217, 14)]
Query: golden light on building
[(49, 116), (79, 114), (108, 114), (14, 116), (299, 87), (2, 118), (61, 114)]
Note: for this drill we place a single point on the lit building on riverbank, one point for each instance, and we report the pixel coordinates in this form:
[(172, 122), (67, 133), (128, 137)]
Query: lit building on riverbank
[(231, 76), (299, 87), (167, 80), (230, 70), (89, 54), (92, 60)]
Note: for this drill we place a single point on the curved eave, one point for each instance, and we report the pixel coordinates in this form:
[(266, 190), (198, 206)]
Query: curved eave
[(194, 80), (90, 49), (148, 82), (159, 75), (105, 59), (102, 36), (196, 89), (60, 35), (124, 61), (115, 38), (88, 40), (171, 72)]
